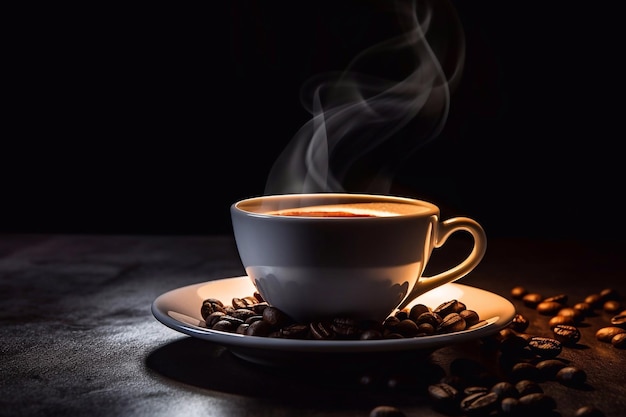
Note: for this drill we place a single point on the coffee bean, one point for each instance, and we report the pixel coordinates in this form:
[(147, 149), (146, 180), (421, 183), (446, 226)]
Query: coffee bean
[(470, 316), (545, 347), (609, 294), (519, 323), (619, 320), (345, 327), (595, 300), (548, 368), (431, 318), (444, 397), (537, 403), (479, 404), (612, 306), (532, 299), (322, 330), (567, 335), (511, 406), (575, 314), (619, 341), (416, 310), (425, 329), (243, 313), (548, 308), (571, 376), (259, 328), (386, 411), (209, 306), (605, 334), (525, 387), (295, 331), (558, 320), (453, 322), (584, 308), (407, 328), (275, 317), (524, 370), (213, 318), (224, 326), (448, 307), (505, 389), (518, 292), (588, 411)]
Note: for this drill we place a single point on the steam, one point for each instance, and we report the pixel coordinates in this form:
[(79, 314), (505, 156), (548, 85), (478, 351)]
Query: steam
[(391, 100)]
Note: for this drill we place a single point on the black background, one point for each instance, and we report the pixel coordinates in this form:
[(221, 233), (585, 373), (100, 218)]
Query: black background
[(155, 119)]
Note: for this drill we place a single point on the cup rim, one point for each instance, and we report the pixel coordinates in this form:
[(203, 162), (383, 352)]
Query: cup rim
[(254, 204)]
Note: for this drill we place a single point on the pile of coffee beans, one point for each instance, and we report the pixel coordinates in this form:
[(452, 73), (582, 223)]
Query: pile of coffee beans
[(253, 316), (565, 317)]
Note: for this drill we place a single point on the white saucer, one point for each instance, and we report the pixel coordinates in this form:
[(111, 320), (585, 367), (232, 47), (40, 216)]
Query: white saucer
[(179, 309)]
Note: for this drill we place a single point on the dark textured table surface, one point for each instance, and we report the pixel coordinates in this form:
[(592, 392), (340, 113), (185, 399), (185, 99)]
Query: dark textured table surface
[(78, 337)]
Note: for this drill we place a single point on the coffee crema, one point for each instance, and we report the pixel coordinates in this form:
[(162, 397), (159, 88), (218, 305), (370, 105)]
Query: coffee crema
[(374, 209)]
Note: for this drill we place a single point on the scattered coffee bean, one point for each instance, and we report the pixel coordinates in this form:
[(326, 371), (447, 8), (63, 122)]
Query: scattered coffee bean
[(525, 387), (524, 371), (609, 294), (619, 320), (532, 299), (537, 403), (571, 376), (504, 389), (619, 341), (612, 306), (444, 397), (510, 407), (519, 323), (518, 292), (567, 335), (575, 314), (545, 347), (560, 298), (548, 308), (584, 308), (479, 404), (594, 300), (557, 320), (605, 334), (548, 368)]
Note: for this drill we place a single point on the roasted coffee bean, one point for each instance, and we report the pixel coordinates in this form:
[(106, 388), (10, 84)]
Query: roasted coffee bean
[(605, 334), (402, 314), (243, 313), (567, 335), (275, 317), (510, 407), (241, 329), (545, 347), (548, 368), (612, 306), (575, 314), (513, 344), (213, 318), (594, 300), (259, 328), (537, 403), (548, 308), (407, 328), (619, 320), (525, 387), (444, 397), (294, 331), (504, 389), (479, 404), (425, 329), (224, 326), (448, 307), (584, 308), (619, 341), (345, 327), (239, 303), (386, 411), (560, 298), (518, 292), (259, 307), (258, 297), (322, 330), (524, 371), (252, 319), (519, 323), (453, 322), (417, 310), (390, 322), (609, 294), (470, 316), (431, 318), (588, 411), (532, 299), (559, 320), (209, 306), (571, 376), (473, 389)]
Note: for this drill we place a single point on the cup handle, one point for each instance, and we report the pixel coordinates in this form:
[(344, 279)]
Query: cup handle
[(446, 229)]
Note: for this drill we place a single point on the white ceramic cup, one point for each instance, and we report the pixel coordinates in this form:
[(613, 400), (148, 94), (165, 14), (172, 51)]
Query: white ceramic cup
[(312, 264)]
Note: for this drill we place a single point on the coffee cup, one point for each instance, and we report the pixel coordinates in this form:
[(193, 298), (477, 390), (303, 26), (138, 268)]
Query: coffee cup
[(325, 255)]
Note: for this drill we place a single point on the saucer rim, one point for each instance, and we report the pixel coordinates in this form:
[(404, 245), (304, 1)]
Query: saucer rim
[(162, 306)]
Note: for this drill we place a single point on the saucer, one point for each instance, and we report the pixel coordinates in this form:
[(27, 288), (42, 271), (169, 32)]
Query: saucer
[(179, 310)]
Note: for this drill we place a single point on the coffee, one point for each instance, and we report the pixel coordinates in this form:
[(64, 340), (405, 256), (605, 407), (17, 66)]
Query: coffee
[(377, 209)]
